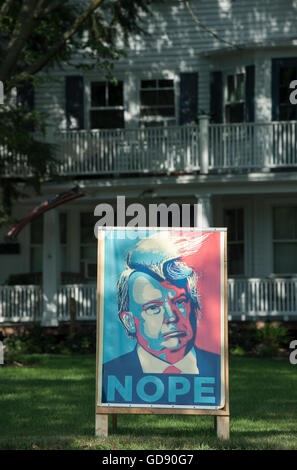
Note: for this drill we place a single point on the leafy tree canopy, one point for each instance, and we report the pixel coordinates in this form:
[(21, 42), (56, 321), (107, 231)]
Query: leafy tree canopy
[(35, 35)]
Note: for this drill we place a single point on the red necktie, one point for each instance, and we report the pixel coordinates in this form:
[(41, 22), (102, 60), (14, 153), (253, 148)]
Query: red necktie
[(171, 370)]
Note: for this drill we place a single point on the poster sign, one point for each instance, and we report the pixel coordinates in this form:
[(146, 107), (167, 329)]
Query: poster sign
[(162, 334)]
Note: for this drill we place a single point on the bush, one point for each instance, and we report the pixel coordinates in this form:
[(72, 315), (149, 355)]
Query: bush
[(37, 341), (271, 337), (252, 340), (242, 338)]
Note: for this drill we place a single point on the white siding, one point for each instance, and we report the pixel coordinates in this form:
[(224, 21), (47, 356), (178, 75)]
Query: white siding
[(177, 43)]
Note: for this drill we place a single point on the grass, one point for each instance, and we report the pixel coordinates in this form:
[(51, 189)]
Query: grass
[(51, 404)]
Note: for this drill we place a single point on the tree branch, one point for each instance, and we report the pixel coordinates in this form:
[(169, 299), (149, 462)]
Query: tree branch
[(52, 7), (22, 30), (37, 66)]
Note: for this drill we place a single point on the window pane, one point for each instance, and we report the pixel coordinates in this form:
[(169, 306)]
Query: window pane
[(285, 258), (149, 98), (149, 84), (287, 74), (115, 94), (233, 220), (87, 223), (230, 223), (230, 88), (98, 94), (92, 270), (107, 119), (236, 259), (36, 233), (235, 112), (284, 94), (166, 97), (284, 223), (239, 224), (157, 123), (240, 87), (164, 112), (165, 83), (287, 112)]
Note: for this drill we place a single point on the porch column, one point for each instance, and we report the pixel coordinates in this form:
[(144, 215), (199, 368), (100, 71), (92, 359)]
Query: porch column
[(203, 212), (51, 268), (203, 143)]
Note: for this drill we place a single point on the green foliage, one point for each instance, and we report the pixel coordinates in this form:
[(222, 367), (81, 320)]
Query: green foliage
[(36, 340), (267, 340), (23, 150), (271, 337), (35, 36), (242, 337)]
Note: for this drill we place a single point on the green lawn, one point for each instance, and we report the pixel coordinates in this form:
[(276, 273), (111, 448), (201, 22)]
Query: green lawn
[(51, 405)]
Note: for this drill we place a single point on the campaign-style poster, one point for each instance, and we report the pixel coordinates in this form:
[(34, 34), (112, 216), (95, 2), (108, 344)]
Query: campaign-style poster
[(161, 318)]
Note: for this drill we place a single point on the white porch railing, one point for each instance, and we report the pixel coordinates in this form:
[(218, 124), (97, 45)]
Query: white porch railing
[(20, 303), (124, 151), (85, 297), (163, 150), (249, 146), (248, 299)]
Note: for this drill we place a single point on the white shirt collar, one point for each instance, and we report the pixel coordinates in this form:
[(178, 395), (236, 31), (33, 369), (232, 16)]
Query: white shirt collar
[(153, 365)]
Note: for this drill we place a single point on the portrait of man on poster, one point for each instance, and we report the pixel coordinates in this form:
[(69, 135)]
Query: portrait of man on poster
[(159, 307)]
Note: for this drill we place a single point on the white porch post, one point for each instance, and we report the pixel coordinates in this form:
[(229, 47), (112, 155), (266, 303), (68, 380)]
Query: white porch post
[(51, 268), (203, 212), (203, 143)]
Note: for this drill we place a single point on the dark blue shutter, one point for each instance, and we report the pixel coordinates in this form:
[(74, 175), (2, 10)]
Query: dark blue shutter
[(188, 98), (216, 96), (250, 93), (275, 71), (25, 95), (74, 96)]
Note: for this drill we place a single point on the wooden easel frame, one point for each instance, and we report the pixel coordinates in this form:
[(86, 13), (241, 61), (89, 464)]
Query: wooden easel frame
[(222, 415)]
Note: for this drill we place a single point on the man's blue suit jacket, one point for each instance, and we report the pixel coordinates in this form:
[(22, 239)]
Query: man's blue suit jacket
[(129, 365)]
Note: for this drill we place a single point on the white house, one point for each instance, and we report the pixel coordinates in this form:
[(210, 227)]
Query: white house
[(201, 115)]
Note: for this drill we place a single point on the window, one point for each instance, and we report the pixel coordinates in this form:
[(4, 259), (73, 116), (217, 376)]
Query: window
[(284, 71), (285, 240), (107, 105), (157, 103), (36, 243), (88, 246), (235, 98), (234, 221)]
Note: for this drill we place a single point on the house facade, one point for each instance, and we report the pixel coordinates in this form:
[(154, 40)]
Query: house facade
[(200, 115)]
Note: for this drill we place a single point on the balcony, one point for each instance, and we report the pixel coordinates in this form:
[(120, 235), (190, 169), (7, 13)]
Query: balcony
[(129, 151), (248, 299), (204, 148)]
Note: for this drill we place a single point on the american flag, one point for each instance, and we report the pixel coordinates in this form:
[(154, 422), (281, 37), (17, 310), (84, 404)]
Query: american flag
[(55, 201)]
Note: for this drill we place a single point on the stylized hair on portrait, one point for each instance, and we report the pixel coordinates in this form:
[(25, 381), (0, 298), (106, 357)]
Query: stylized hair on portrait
[(161, 258)]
